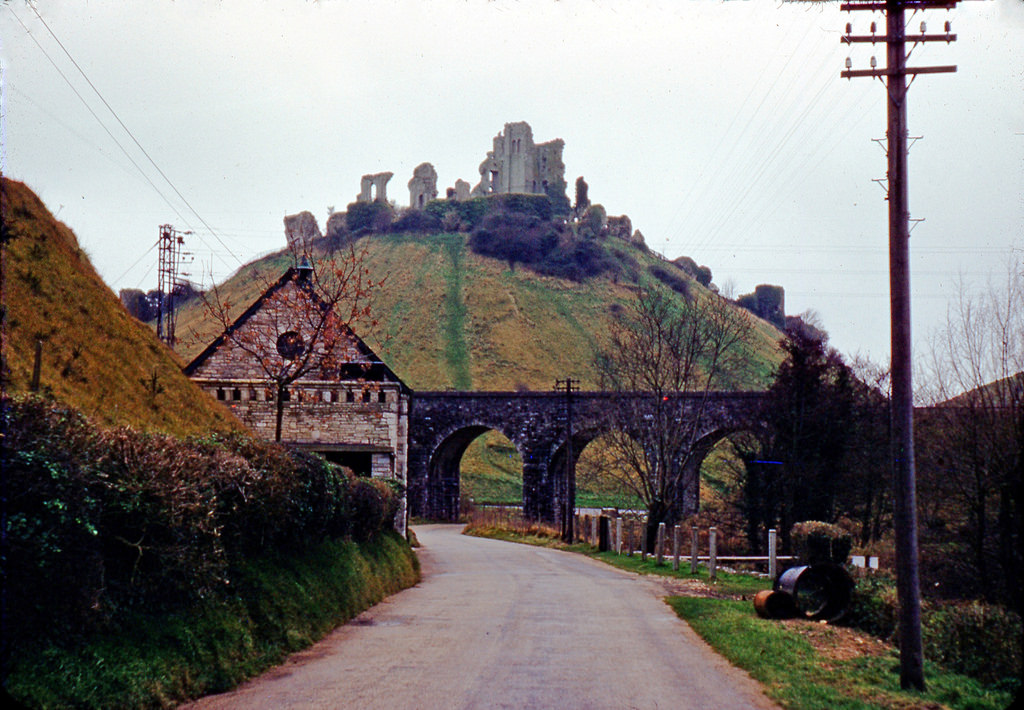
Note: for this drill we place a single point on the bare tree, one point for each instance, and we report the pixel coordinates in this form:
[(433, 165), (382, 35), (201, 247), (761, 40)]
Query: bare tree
[(673, 350), (973, 432), (302, 324)]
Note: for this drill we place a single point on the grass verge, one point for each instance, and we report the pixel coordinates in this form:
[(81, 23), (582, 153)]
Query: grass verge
[(280, 605), (800, 676)]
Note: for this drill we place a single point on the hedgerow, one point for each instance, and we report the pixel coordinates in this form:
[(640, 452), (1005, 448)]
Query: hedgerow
[(974, 638), (103, 521)]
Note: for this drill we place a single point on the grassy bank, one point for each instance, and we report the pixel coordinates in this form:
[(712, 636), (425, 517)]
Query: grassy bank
[(278, 606), (807, 666)]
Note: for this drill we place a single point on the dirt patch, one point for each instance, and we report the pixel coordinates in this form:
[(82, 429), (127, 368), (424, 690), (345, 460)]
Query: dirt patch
[(681, 587), (837, 643)]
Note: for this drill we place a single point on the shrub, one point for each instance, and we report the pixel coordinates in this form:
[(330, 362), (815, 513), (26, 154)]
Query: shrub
[(372, 507), (53, 565), (874, 606), (577, 261), (976, 639), (103, 521), (417, 221), (671, 278), (514, 237), (815, 542), (373, 216)]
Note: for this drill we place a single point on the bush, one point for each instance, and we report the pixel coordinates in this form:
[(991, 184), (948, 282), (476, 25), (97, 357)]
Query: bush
[(373, 216), (976, 639), (671, 278), (417, 221), (874, 607), (578, 261), (103, 521), (513, 237), (815, 542)]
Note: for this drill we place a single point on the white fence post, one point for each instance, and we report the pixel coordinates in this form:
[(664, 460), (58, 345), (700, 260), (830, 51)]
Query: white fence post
[(772, 562), (660, 544), (712, 553), (593, 530), (643, 540), (675, 548), (694, 537), (618, 536)]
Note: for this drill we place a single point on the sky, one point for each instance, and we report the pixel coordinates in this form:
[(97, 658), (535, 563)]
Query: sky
[(721, 128)]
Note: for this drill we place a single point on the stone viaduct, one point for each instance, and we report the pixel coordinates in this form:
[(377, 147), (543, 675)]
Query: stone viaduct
[(443, 424)]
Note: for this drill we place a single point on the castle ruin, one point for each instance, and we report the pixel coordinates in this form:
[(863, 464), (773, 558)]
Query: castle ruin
[(374, 188), (422, 186), (517, 164)]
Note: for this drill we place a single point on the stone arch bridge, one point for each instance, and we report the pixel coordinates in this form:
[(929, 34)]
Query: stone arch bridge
[(443, 424)]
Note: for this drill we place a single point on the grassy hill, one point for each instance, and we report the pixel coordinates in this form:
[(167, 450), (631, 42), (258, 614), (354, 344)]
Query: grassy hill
[(450, 318), (95, 356)]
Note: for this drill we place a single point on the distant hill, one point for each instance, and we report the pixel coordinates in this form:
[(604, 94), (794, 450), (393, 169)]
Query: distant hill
[(450, 318), (95, 356)]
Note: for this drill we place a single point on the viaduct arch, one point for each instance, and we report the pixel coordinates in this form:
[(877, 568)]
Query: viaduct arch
[(443, 424)]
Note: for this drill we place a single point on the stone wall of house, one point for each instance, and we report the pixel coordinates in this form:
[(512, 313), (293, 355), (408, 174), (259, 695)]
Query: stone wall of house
[(327, 416)]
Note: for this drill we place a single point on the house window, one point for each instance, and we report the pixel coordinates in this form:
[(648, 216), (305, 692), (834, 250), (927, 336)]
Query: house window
[(350, 396), (236, 395), (221, 395), (382, 397), (366, 396)]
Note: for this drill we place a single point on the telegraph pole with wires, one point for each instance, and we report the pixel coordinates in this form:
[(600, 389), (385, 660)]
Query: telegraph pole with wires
[(568, 385), (170, 255), (895, 73)]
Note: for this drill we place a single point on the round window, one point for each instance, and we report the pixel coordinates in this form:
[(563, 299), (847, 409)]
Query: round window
[(290, 345)]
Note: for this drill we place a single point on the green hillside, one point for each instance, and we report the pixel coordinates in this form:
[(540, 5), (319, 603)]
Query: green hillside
[(95, 356), (449, 318)]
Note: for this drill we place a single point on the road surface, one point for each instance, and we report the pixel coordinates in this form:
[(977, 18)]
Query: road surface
[(500, 625)]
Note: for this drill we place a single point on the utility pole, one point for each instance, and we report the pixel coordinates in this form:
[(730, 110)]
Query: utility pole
[(908, 583), (568, 385), (169, 256)]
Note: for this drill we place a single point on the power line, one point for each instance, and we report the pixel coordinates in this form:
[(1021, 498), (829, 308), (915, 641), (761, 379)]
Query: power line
[(125, 128)]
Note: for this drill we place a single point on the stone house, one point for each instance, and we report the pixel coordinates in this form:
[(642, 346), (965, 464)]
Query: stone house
[(347, 406)]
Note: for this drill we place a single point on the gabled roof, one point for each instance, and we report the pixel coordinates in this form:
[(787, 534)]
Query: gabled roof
[(377, 368)]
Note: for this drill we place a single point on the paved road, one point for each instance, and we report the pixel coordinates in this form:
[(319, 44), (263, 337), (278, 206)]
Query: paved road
[(499, 625)]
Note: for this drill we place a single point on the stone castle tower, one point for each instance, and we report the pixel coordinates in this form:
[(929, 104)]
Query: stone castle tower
[(517, 164)]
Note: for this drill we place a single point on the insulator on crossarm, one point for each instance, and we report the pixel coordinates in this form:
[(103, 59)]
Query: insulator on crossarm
[(849, 63), (874, 62), (874, 28), (924, 27), (849, 28)]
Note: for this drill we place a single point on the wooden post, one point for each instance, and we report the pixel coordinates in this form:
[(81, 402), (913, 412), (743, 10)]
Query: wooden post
[(618, 536), (712, 553), (694, 537), (675, 548), (772, 566), (660, 543), (629, 541)]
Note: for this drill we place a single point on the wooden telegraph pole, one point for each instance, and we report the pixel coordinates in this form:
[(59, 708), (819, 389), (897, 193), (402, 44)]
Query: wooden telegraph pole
[(568, 385), (908, 582)]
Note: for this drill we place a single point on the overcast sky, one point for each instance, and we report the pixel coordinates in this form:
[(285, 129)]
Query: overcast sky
[(723, 129)]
